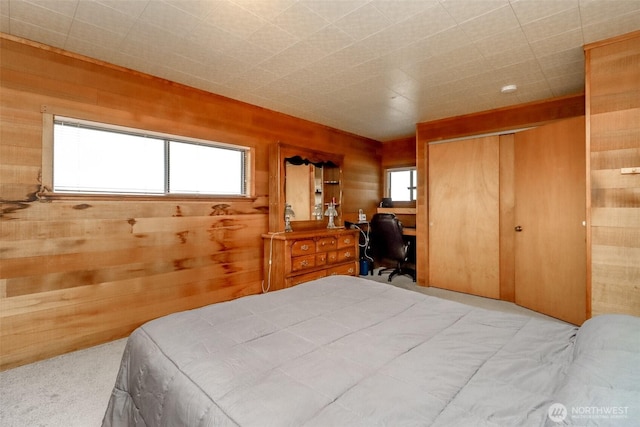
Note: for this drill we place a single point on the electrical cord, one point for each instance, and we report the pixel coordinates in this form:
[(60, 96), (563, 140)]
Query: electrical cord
[(265, 290), (366, 240)]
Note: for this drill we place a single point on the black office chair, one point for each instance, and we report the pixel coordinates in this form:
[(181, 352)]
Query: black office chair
[(388, 244)]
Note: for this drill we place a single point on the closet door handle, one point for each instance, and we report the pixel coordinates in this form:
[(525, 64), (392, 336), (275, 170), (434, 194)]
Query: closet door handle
[(518, 228)]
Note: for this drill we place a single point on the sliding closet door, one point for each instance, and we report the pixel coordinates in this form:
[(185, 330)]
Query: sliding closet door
[(550, 237), (464, 216)]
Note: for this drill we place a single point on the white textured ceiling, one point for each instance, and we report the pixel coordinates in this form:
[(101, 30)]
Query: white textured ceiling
[(371, 67)]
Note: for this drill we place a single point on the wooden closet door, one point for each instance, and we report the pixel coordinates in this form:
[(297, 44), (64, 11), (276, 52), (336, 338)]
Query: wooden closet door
[(550, 198), (464, 216)]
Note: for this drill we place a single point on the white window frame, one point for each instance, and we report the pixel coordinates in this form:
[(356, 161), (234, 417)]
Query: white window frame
[(47, 187), (414, 189)]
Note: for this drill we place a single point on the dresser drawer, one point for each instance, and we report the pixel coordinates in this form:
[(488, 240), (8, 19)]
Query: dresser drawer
[(346, 254), (303, 262), (321, 258), (350, 269), (303, 247), (296, 280), (342, 255), (346, 241), (326, 244)]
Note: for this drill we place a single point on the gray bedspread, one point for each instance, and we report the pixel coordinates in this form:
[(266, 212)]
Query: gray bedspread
[(345, 351)]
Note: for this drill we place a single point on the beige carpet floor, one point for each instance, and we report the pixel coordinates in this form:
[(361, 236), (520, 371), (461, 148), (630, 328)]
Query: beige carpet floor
[(72, 390)]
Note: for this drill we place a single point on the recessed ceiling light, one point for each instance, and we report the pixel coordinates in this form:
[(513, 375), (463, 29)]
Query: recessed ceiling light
[(509, 88)]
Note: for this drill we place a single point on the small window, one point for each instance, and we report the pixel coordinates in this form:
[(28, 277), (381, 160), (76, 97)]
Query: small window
[(93, 158), (402, 184)]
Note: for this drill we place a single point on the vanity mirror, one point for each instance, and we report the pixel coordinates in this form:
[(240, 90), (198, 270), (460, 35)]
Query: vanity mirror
[(307, 181)]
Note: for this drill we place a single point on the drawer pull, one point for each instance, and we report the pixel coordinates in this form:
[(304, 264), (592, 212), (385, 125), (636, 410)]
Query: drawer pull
[(304, 263), (351, 270), (347, 254), (304, 247), (347, 241), (334, 274)]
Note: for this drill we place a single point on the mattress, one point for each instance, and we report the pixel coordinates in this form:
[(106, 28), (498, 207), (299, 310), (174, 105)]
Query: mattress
[(346, 351)]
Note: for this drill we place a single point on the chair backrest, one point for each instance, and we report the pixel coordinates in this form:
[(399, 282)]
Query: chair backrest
[(386, 238)]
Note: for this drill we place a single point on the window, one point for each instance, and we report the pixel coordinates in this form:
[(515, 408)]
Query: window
[(94, 158), (402, 184)]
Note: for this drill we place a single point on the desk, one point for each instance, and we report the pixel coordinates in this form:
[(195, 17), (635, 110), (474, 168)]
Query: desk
[(406, 231), (398, 211), (409, 231), (407, 217)]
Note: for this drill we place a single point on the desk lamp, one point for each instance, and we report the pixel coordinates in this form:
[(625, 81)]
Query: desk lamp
[(331, 212)]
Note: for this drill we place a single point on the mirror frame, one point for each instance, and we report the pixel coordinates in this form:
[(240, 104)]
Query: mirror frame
[(278, 152)]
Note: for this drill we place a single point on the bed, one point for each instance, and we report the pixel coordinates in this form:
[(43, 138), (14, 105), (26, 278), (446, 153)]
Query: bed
[(346, 351)]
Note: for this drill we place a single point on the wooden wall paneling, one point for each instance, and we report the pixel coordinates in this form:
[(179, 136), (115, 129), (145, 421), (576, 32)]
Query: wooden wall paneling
[(97, 313), (614, 130), (17, 127), (621, 218), (363, 174), (422, 211), (97, 259), (78, 271), (46, 84), (502, 119), (613, 159), (399, 153), (276, 189), (613, 141)]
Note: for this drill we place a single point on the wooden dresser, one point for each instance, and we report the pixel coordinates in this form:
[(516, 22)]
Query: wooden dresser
[(301, 256)]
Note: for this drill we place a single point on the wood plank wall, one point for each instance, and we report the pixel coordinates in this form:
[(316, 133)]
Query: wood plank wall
[(75, 272), (613, 123), (399, 153)]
